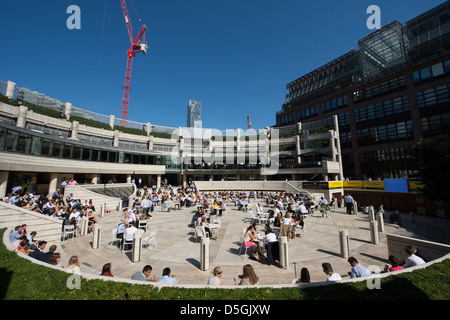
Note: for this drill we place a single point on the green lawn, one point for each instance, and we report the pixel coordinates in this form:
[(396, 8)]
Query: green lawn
[(22, 280)]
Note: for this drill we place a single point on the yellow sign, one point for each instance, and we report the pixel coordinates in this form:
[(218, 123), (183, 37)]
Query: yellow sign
[(335, 184), (373, 185), (353, 184), (416, 186)]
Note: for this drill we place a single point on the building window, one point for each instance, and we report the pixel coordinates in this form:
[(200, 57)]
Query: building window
[(433, 96), (430, 72), (425, 73), (334, 104)]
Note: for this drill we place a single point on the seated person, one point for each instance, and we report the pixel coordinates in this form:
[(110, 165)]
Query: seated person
[(240, 204), (120, 231)]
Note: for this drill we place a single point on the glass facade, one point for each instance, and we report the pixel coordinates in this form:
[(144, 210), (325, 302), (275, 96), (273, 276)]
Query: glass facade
[(26, 143), (194, 114), (398, 93)]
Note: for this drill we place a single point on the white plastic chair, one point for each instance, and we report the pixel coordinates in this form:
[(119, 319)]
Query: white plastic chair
[(255, 218), (243, 246), (114, 235), (151, 238), (127, 241), (143, 224), (69, 229), (200, 231)]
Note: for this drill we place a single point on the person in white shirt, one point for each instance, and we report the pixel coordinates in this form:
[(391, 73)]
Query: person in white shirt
[(49, 207), (74, 215), (259, 208), (276, 211), (132, 215), (302, 209), (146, 204), (287, 219), (128, 234), (269, 236), (280, 204), (328, 270), (412, 260)]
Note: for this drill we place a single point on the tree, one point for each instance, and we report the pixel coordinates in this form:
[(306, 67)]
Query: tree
[(432, 158)]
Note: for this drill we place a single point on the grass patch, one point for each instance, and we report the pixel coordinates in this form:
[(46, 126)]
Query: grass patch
[(21, 279)]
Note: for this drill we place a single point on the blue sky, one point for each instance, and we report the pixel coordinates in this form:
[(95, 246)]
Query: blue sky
[(235, 57)]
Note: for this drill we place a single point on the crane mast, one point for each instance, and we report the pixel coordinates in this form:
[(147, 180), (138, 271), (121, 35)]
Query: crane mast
[(136, 46)]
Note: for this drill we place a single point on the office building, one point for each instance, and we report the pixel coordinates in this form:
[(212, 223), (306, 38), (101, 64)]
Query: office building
[(388, 94), (194, 114)]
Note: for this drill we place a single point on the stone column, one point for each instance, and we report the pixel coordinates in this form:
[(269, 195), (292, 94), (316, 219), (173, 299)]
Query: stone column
[(67, 110), (238, 140), (112, 119), (137, 246), (374, 236), (95, 179), (10, 88), (148, 128), (84, 225), (380, 220), (22, 118), (298, 149), (116, 138), (204, 254), (74, 133), (158, 181), (343, 236), (53, 185), (97, 237), (338, 147), (284, 252), (150, 142)]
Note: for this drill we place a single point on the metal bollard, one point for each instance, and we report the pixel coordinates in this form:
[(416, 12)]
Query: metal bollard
[(355, 208), (371, 214), (137, 246), (380, 220), (284, 254), (97, 237), (84, 225), (204, 254), (345, 249), (374, 232)]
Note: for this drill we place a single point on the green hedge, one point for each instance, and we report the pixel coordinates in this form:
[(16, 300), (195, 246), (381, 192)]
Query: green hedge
[(90, 122), (139, 132), (34, 107), (21, 279)]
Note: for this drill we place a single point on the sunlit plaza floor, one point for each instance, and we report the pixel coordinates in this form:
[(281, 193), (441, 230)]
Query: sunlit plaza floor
[(177, 248)]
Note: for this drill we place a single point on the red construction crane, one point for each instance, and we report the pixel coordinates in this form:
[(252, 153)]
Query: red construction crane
[(249, 123), (136, 46)]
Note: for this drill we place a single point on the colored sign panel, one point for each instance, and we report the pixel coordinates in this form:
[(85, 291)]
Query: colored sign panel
[(373, 185), (353, 184), (335, 184), (396, 185)]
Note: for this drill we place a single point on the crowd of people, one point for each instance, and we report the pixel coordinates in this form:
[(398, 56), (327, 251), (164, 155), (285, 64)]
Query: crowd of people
[(27, 244), (70, 210)]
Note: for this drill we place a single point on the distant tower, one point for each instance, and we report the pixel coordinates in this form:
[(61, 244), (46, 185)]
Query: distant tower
[(194, 114)]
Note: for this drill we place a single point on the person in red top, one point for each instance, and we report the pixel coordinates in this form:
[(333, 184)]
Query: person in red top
[(106, 271), (395, 266), (23, 245)]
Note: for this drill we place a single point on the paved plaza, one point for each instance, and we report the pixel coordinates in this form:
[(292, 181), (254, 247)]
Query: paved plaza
[(178, 249)]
